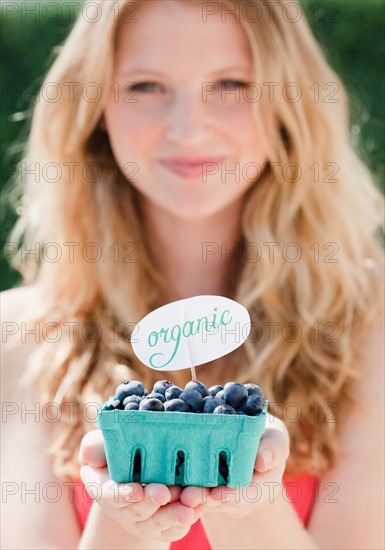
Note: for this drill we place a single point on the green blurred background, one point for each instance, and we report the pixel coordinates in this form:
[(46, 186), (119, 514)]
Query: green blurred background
[(351, 33)]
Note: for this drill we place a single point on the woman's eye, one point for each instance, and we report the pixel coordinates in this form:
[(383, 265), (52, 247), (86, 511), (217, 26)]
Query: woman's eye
[(229, 85), (141, 87), (149, 87)]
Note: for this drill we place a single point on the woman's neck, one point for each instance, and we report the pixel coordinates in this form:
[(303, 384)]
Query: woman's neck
[(194, 256)]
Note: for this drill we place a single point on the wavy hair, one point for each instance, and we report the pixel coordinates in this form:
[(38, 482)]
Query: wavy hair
[(319, 304)]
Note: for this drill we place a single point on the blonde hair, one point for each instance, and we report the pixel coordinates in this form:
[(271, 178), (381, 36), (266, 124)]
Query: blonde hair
[(328, 304)]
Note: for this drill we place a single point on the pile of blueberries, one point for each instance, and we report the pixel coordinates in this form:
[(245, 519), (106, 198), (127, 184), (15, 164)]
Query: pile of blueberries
[(232, 398)]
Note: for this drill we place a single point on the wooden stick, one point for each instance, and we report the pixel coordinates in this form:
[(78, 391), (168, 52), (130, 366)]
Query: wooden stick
[(193, 374)]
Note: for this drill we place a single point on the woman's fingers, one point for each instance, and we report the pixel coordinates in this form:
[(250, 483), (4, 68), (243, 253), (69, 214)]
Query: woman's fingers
[(106, 492), (176, 491), (192, 496), (273, 452), (274, 447), (148, 508), (92, 449), (143, 502), (170, 515), (151, 509), (173, 516), (157, 493)]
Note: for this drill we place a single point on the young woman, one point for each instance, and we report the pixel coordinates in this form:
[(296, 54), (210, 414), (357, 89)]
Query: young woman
[(280, 215)]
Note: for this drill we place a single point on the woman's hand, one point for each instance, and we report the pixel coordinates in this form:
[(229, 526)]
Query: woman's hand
[(269, 467), (152, 512)]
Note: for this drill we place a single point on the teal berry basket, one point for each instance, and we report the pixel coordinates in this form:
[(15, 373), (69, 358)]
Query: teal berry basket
[(145, 446)]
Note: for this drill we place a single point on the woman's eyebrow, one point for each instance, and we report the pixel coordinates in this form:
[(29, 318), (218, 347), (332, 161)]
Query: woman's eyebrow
[(141, 70)]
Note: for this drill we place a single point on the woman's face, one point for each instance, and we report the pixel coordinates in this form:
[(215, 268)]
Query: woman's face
[(174, 94)]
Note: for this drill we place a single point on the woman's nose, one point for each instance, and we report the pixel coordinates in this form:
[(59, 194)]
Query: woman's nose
[(189, 121)]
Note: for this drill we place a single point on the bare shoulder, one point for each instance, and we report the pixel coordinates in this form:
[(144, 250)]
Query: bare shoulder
[(47, 516), (16, 302), (18, 342)]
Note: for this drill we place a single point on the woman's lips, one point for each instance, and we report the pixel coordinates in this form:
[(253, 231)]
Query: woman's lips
[(192, 169)]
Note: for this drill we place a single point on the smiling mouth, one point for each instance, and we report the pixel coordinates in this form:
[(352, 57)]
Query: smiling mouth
[(192, 169)]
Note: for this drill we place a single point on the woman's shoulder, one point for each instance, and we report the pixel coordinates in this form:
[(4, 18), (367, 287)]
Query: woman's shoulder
[(16, 306), (26, 435), (18, 337), (17, 300)]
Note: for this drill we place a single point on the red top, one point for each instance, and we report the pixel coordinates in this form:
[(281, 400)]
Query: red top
[(299, 490)]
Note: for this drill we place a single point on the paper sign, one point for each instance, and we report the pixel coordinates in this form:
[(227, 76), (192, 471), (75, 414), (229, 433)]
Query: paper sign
[(190, 332)]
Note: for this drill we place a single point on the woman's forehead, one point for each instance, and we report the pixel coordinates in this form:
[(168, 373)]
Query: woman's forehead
[(156, 35)]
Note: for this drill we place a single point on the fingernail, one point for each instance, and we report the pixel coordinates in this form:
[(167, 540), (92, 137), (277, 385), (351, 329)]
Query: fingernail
[(267, 456)]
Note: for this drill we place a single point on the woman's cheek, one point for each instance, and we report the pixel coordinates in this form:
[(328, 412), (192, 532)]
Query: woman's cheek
[(238, 115)]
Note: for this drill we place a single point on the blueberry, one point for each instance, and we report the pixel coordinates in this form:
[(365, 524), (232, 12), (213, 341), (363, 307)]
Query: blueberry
[(151, 404), (198, 386), (131, 406), (161, 386), (253, 389), (129, 388), (193, 399), (157, 395), (220, 395), (120, 391), (254, 405), (176, 405), (132, 399), (224, 409), (173, 392), (215, 389), (210, 403), (113, 404), (234, 394)]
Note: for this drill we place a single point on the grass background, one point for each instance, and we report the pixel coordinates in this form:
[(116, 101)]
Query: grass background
[(351, 33)]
